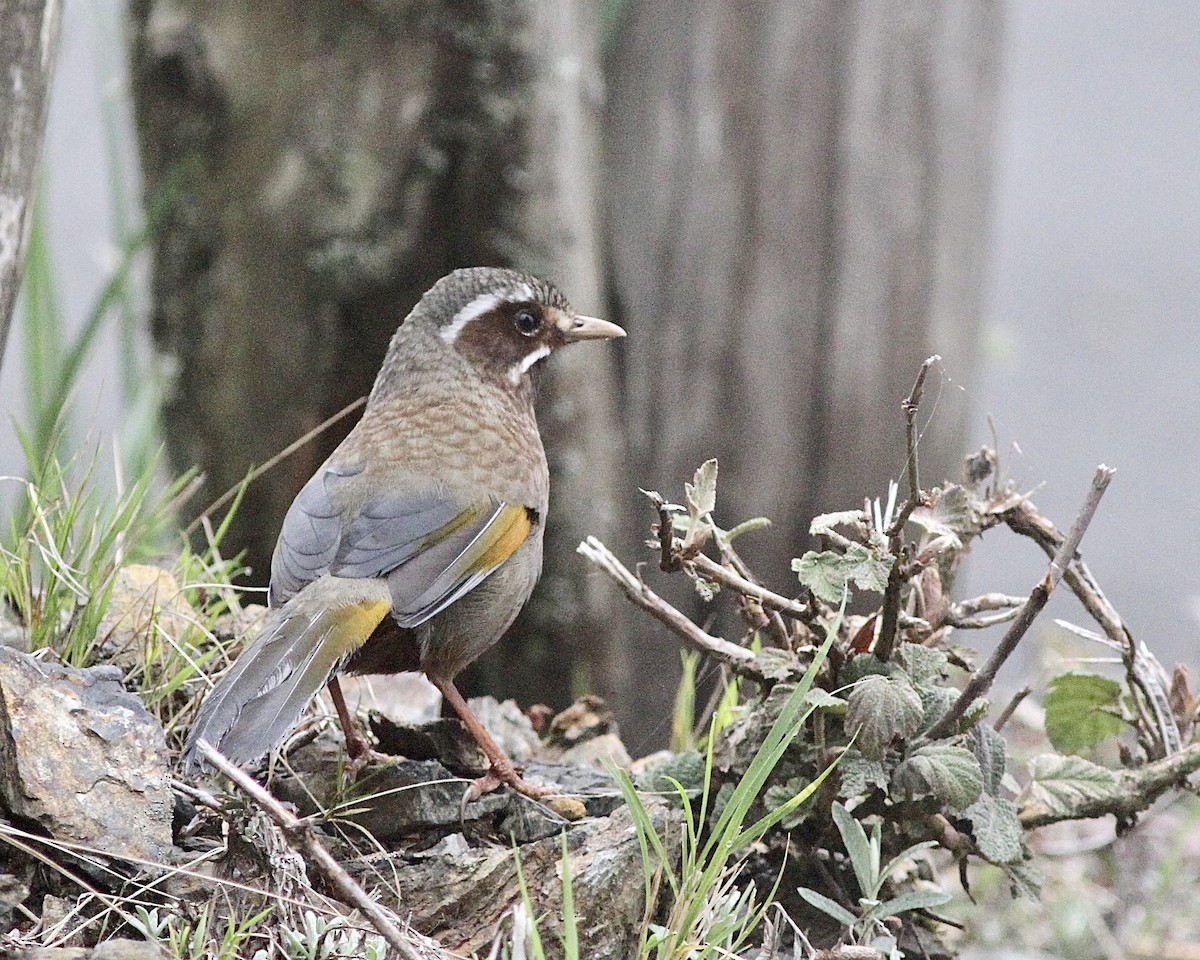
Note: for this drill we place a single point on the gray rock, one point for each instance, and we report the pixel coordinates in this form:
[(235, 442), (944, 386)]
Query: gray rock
[(83, 757), (462, 897)]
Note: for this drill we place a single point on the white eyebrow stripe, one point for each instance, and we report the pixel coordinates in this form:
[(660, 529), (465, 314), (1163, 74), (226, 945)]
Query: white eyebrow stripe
[(484, 303), (518, 370)]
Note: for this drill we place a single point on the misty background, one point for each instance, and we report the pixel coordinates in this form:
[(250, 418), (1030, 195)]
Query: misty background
[(1090, 330)]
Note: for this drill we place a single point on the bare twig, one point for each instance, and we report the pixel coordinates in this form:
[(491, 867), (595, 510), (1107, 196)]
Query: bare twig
[(712, 570), (740, 659), (966, 614), (300, 836), (1135, 791), (1008, 711), (784, 638), (274, 461), (900, 572), (979, 684), (910, 407)]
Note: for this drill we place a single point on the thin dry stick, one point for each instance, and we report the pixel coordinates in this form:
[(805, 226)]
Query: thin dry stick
[(1007, 712), (898, 573), (274, 461), (740, 659), (982, 681), (300, 836), (711, 570)]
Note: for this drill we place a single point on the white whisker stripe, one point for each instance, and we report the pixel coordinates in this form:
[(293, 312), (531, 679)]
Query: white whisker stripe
[(518, 370)]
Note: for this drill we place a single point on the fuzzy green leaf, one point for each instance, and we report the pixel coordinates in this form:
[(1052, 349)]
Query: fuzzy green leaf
[(925, 666), (1082, 710), (913, 900), (949, 772), (782, 793), (880, 710), (864, 858), (858, 776), (1061, 783), (992, 753), (935, 704), (828, 573), (997, 829), (829, 907)]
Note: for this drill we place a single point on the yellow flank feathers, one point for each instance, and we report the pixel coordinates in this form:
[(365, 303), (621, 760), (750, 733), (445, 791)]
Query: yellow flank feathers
[(511, 528), (470, 515), (352, 624)]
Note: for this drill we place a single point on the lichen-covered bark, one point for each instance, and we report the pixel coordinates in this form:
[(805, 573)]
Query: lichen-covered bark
[(28, 47)]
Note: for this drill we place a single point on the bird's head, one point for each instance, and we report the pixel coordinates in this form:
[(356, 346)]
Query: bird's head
[(506, 323)]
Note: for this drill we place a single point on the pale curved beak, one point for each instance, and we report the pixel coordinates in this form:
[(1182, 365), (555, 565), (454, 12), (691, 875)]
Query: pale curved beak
[(590, 328)]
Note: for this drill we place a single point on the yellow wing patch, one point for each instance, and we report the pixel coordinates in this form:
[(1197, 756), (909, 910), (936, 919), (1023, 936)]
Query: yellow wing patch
[(507, 532)]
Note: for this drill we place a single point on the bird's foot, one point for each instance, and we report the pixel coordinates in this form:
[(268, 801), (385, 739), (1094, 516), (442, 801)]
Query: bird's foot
[(499, 776), (359, 761)]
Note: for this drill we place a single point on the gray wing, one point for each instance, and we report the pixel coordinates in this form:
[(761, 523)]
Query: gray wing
[(316, 538), (431, 548)]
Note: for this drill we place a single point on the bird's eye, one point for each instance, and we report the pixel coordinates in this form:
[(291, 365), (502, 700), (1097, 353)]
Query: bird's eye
[(527, 322)]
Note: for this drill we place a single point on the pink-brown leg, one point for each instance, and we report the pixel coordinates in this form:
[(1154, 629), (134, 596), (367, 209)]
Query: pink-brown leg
[(501, 770), (357, 748)]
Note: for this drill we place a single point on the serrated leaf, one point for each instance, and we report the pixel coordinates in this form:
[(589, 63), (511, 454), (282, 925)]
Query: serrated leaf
[(829, 573), (702, 491), (935, 704), (858, 776), (825, 523), (925, 666), (992, 753), (949, 772), (880, 710), (952, 514), (827, 906), (1082, 710), (997, 829), (1060, 783)]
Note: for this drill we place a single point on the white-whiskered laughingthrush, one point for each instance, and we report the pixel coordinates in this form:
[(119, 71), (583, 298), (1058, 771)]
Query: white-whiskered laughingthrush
[(418, 541)]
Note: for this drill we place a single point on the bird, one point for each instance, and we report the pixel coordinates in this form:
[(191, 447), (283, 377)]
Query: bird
[(417, 542)]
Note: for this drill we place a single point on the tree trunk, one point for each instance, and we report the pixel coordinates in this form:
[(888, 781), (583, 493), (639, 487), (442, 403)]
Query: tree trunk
[(313, 169), (797, 197), (28, 47)]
